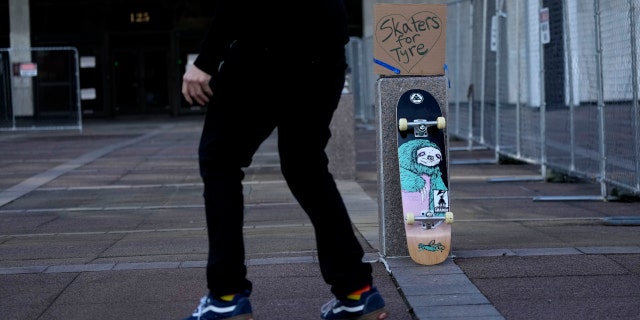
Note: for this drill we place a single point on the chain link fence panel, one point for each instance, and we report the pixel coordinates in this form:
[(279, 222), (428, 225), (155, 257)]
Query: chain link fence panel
[(553, 83), (39, 89)]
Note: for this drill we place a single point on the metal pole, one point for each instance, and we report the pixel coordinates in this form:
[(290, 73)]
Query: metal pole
[(543, 101), (599, 78), (457, 66), (471, 94), (497, 69), (634, 82), (484, 68), (567, 44), (497, 102), (76, 57), (518, 88), (10, 93)]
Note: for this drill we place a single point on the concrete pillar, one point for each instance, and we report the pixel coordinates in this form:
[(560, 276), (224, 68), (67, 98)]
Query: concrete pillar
[(20, 43), (388, 91), (341, 148)]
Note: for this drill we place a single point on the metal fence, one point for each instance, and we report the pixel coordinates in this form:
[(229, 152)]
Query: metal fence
[(362, 79), (555, 85), (39, 89)]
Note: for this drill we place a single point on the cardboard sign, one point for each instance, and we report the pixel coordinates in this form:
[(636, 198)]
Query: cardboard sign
[(409, 39)]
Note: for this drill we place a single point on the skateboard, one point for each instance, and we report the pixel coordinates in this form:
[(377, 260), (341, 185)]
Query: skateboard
[(424, 177)]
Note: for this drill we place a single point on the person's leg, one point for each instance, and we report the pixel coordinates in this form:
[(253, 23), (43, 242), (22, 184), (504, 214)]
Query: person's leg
[(234, 129), (303, 134)]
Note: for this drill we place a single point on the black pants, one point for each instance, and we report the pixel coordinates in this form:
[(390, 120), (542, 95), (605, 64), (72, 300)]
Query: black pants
[(254, 94)]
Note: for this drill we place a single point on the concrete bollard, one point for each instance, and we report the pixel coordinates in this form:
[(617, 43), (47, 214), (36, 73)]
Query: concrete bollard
[(393, 242), (341, 149)]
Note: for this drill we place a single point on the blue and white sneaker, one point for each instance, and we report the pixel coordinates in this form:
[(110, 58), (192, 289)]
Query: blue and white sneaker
[(369, 307), (212, 309)]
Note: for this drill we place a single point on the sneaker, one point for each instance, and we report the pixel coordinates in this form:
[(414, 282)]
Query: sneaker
[(369, 307), (212, 309)]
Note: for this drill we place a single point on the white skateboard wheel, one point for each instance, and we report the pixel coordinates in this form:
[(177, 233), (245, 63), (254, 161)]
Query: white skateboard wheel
[(403, 125), (409, 218), (448, 217)]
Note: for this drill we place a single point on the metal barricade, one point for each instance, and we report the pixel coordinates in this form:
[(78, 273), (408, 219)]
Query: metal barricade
[(555, 86), (39, 89)]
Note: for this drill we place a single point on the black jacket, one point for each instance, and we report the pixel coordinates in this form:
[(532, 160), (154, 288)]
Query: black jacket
[(291, 27)]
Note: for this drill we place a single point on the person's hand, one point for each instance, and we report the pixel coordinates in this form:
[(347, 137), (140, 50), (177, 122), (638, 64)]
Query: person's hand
[(195, 85)]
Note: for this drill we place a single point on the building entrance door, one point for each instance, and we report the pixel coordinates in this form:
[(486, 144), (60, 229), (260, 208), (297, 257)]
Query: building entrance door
[(140, 81)]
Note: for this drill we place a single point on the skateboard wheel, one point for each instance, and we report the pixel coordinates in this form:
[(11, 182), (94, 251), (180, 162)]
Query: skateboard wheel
[(403, 125), (409, 218), (448, 217), (441, 123)]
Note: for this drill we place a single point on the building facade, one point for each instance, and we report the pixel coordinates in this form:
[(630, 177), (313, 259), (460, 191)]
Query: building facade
[(132, 53)]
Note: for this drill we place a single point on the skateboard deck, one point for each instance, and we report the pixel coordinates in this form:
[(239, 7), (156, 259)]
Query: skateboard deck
[(424, 176)]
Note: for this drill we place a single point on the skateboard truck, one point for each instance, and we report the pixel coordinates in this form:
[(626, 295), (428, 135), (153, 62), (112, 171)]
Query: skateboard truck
[(420, 126), (429, 219)]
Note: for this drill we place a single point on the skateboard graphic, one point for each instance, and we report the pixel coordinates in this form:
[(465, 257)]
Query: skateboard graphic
[(424, 178)]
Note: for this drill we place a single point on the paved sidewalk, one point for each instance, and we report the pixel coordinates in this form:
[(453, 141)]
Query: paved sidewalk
[(109, 224)]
